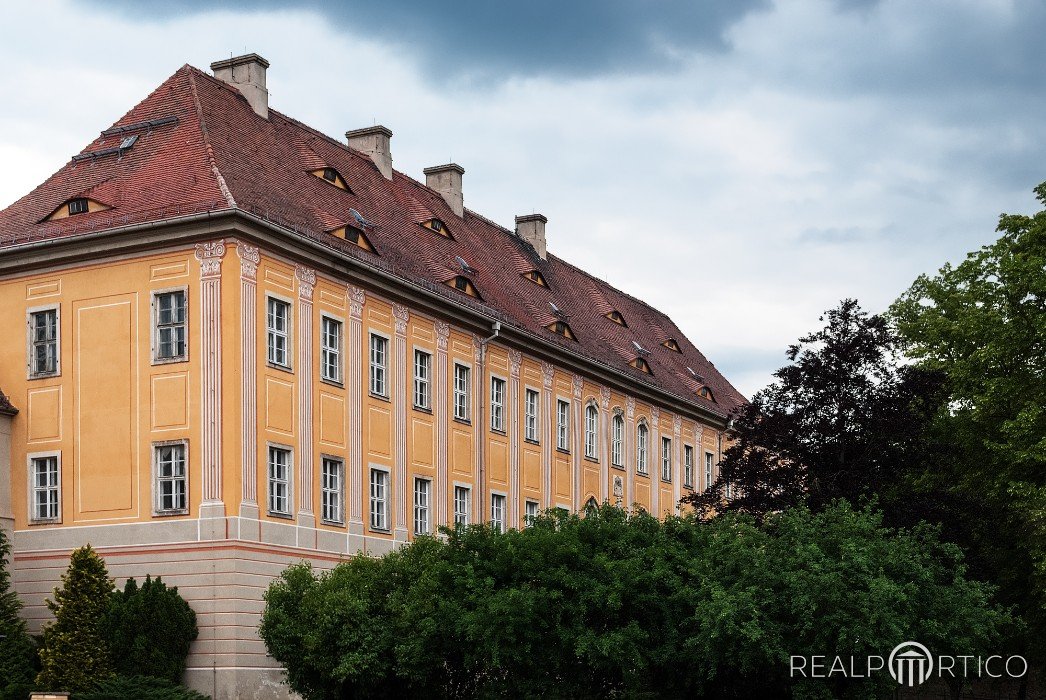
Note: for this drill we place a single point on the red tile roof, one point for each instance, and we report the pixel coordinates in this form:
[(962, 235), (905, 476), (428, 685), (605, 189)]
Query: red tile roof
[(207, 150), (6, 408)]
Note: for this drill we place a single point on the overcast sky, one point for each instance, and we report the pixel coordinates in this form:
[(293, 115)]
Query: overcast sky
[(741, 165)]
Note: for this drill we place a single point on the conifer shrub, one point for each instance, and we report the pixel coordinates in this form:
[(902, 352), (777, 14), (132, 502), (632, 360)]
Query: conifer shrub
[(138, 688), (18, 662)]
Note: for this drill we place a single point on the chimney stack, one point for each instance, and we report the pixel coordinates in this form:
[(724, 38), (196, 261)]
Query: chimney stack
[(446, 179), (531, 228), (246, 73), (374, 141)]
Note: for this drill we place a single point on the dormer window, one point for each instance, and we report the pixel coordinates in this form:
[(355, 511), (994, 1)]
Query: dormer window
[(705, 393), (75, 206), (671, 345), (354, 235), (535, 277), (561, 328), (332, 176), (78, 206), (617, 318), (642, 365), (438, 226), (464, 285)]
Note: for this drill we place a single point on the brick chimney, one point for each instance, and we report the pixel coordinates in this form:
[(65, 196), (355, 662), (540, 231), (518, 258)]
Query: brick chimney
[(531, 228), (446, 179), (373, 141), (246, 73)]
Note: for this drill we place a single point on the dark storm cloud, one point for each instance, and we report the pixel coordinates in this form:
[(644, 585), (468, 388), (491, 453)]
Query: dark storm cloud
[(497, 38)]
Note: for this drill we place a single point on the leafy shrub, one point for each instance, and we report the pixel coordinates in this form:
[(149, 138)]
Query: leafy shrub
[(138, 688)]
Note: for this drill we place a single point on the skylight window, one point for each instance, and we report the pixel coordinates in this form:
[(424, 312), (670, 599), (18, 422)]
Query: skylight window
[(128, 142), (642, 365), (535, 277), (672, 345), (617, 318), (561, 328), (464, 285)]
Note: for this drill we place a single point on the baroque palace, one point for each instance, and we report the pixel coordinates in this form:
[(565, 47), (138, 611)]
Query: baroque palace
[(248, 344)]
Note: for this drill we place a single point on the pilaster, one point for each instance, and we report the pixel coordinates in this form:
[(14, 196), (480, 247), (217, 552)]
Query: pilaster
[(578, 384), (604, 447), (210, 256), (515, 359), (250, 257), (354, 364), (654, 462), (439, 407), (399, 393), (630, 451), (549, 373), (306, 284)]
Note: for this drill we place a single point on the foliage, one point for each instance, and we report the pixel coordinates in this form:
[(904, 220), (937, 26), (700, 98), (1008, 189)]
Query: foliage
[(17, 650), (845, 419), (619, 604), (138, 688), (75, 655), (982, 324), (148, 630)]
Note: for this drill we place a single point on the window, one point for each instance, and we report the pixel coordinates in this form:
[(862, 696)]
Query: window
[(708, 469), (379, 499), (77, 206), (591, 432), (497, 404), (666, 459), (535, 277), (332, 492), (561, 328), (705, 393), (688, 466), (422, 380), (530, 513), (330, 174), (439, 226), (171, 326), (530, 415), (43, 341), (464, 284), (461, 505), (278, 324), (353, 235), (379, 355), (642, 365), (563, 424), (642, 435), (330, 349), (617, 318), (279, 481), (497, 512), (461, 392), (422, 489), (46, 489), (672, 345), (617, 439), (171, 487)]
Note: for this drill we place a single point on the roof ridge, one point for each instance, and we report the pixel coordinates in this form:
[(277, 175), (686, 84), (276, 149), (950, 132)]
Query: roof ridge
[(222, 184)]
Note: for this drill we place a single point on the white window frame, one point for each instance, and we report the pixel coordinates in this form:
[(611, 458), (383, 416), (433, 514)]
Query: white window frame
[(379, 368), (332, 496), (642, 448), (709, 469), (562, 424), (270, 480), (617, 439), (30, 346), (379, 515), (272, 333), (332, 355), (423, 380), (531, 509), (462, 504), (666, 458), (688, 465), (531, 415), (158, 509), (156, 344), (498, 388), (591, 431), (462, 391), (422, 506), (499, 511), (32, 489)]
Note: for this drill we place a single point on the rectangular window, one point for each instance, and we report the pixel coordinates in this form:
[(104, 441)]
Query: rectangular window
[(330, 349), (688, 466), (461, 392), (617, 439), (379, 357), (642, 436), (497, 404), (171, 487), (422, 489), (332, 490), (462, 505), (497, 512), (46, 489), (422, 380), (666, 459), (171, 325), (530, 513), (708, 469), (43, 343), (563, 424), (592, 432), (530, 415), (278, 327), (379, 499), (279, 481)]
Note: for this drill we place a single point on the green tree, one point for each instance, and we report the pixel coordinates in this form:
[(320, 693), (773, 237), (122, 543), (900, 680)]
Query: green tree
[(138, 688), (18, 659), (982, 324), (75, 656), (148, 630)]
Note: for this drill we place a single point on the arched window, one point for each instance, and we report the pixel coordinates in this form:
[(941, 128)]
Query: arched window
[(642, 437), (617, 438), (591, 506), (591, 432)]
